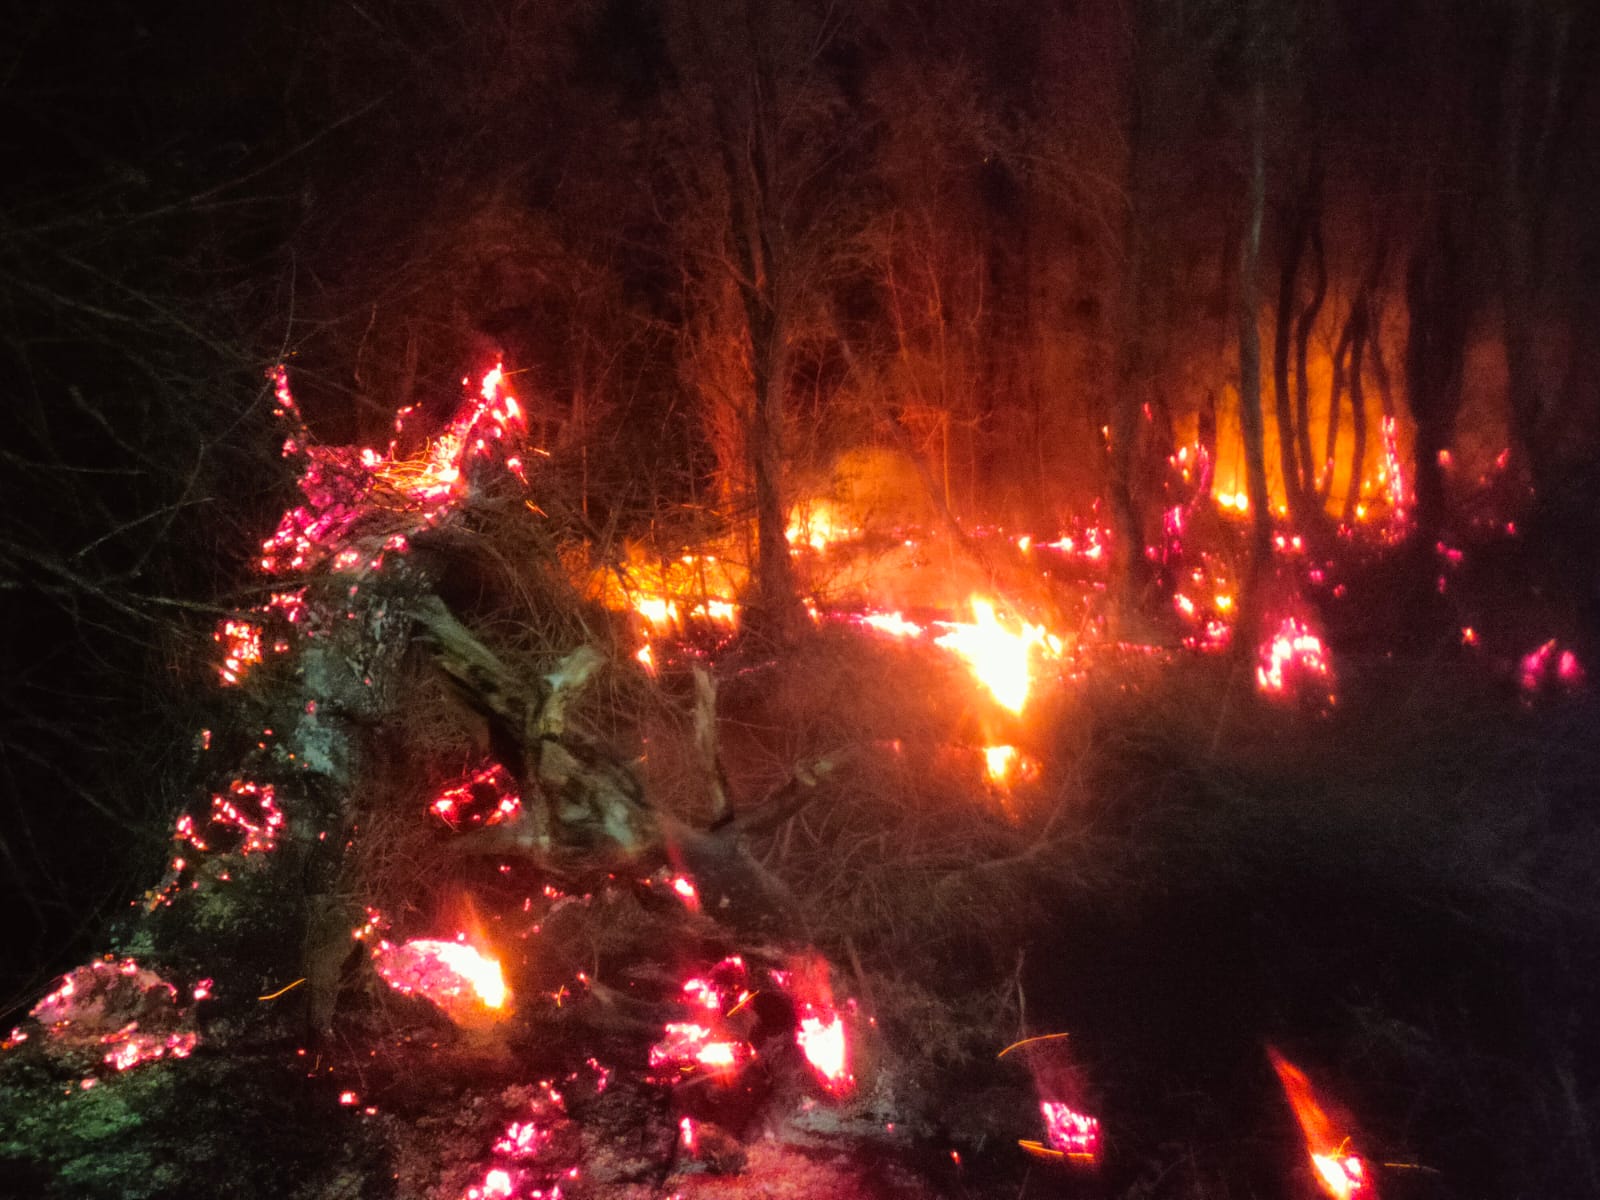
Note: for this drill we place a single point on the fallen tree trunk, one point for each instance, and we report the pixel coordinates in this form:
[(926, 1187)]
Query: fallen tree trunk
[(585, 811)]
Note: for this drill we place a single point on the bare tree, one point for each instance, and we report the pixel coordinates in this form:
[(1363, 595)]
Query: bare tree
[(754, 148)]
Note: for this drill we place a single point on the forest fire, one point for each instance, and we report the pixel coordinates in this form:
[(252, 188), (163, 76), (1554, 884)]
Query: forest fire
[(818, 526), (1031, 516), (459, 979), (1341, 1173)]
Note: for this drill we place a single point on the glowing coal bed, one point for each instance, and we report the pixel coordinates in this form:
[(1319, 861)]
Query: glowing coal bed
[(115, 1011)]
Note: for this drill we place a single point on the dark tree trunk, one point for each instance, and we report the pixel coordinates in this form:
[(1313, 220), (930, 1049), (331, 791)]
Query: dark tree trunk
[(1336, 391), (777, 601), (1250, 417), (1302, 384), (1129, 567), (1527, 118), (1358, 411), (1435, 344), (1289, 462)]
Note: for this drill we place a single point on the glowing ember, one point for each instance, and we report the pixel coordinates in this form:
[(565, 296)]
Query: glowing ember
[(684, 887), (820, 1033), (1293, 659), (997, 657), (686, 1045), (453, 975), (241, 643), (1071, 1132), (1391, 476), (116, 1004), (347, 488), (1341, 1173), (1549, 664), (486, 797), (248, 812), (136, 1048)]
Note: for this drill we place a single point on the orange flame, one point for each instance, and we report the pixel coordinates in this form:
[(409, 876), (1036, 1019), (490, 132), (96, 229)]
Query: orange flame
[(445, 973), (999, 658), (1341, 1173)]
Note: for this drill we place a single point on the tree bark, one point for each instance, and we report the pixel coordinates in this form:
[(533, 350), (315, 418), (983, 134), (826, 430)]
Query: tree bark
[(1436, 342), (1358, 411), (1302, 383), (1129, 568), (1289, 462), (1250, 418)]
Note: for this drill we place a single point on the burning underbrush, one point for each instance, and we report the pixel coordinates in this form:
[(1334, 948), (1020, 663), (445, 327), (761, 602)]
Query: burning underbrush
[(534, 875)]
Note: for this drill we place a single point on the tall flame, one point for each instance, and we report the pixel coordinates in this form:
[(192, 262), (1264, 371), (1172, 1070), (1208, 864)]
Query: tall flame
[(1341, 1172)]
